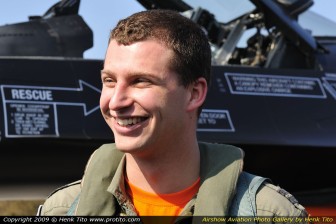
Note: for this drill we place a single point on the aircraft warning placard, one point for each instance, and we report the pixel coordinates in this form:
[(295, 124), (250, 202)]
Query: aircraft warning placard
[(31, 111)]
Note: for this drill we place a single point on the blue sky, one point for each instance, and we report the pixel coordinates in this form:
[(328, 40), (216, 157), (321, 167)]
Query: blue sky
[(102, 15)]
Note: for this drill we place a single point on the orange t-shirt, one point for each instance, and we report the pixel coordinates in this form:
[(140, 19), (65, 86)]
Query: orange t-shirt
[(152, 204)]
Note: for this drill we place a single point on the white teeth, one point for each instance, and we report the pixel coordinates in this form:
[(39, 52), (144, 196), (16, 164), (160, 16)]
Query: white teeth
[(129, 121)]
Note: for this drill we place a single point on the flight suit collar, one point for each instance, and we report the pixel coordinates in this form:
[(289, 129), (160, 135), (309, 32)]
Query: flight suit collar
[(103, 191)]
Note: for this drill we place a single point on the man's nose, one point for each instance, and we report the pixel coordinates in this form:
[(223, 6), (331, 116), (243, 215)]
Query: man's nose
[(120, 97)]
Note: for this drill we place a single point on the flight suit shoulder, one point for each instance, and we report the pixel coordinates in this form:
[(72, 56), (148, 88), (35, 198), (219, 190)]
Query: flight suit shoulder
[(272, 200), (60, 200)]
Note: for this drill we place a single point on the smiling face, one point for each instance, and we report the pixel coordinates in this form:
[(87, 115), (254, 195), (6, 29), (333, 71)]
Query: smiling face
[(142, 99)]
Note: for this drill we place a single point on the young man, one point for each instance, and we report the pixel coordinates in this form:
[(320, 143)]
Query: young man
[(155, 79)]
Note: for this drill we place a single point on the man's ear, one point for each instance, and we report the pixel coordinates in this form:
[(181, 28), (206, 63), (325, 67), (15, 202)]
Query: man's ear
[(198, 91)]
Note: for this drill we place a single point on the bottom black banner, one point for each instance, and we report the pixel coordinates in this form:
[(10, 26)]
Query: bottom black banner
[(166, 219)]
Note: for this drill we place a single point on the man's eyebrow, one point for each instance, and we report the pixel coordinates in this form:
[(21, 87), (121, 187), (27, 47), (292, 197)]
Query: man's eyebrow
[(106, 71), (132, 74)]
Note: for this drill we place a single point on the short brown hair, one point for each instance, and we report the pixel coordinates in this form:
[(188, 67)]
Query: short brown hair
[(189, 42)]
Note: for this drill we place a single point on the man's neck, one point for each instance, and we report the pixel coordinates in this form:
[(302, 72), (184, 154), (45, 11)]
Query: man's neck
[(172, 171)]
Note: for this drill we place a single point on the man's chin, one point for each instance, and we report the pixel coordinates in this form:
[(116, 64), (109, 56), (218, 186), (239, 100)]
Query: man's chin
[(127, 147)]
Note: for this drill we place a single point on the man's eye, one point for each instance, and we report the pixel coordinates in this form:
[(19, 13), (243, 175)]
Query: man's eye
[(108, 82), (141, 81)]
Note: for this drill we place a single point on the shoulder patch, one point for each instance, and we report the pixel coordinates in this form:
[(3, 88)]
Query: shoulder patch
[(65, 186), (289, 197)]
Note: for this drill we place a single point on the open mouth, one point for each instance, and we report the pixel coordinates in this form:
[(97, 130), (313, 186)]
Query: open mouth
[(130, 121)]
